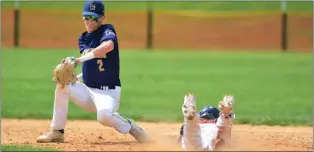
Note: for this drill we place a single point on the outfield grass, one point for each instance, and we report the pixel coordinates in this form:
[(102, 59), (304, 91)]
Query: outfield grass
[(205, 6), (24, 148), (270, 88)]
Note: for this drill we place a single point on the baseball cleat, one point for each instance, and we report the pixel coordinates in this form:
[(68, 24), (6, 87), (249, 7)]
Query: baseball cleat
[(51, 136), (137, 132), (226, 104), (228, 99), (188, 107)]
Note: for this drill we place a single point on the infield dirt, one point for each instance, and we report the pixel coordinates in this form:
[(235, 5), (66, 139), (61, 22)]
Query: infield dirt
[(89, 135)]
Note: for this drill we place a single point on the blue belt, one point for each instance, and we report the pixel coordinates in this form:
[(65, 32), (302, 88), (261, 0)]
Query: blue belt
[(103, 87)]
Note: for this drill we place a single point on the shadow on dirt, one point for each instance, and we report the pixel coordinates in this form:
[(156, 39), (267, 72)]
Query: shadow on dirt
[(115, 143)]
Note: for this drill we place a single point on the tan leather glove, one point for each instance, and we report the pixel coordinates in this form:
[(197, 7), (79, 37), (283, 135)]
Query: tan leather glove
[(65, 73)]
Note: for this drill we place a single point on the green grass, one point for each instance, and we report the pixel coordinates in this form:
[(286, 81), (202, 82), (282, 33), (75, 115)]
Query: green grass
[(206, 6), (24, 148), (270, 88)]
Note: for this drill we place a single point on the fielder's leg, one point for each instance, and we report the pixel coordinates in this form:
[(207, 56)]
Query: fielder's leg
[(191, 139), (80, 95), (107, 104)]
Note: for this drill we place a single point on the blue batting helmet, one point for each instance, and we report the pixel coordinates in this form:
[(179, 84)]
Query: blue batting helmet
[(209, 112)]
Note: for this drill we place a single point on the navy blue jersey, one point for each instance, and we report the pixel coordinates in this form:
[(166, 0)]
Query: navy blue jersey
[(101, 71)]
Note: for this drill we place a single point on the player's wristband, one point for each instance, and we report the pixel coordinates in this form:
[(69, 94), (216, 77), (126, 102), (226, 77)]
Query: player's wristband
[(80, 77), (86, 57)]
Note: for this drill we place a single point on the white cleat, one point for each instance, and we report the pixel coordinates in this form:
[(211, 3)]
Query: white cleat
[(226, 104), (189, 107), (51, 136), (229, 99), (137, 132)]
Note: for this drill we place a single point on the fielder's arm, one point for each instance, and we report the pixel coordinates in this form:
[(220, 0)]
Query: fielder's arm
[(86, 51), (97, 52)]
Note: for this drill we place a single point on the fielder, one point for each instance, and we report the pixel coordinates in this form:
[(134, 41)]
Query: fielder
[(101, 87), (208, 129)]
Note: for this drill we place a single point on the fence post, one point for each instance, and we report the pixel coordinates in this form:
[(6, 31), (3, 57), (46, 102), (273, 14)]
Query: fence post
[(149, 38), (284, 18), (16, 23)]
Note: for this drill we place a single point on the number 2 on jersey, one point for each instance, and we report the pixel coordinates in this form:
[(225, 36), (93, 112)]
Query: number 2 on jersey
[(100, 65)]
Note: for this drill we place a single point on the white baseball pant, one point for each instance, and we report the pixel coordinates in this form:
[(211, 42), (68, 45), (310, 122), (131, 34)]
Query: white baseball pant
[(198, 136), (105, 102)]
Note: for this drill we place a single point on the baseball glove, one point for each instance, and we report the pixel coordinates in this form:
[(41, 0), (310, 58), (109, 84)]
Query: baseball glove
[(65, 73)]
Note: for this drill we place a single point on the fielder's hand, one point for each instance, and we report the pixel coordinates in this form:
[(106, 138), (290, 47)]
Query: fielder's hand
[(65, 73)]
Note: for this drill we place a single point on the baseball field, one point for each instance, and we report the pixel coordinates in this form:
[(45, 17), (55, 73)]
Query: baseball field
[(273, 90)]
